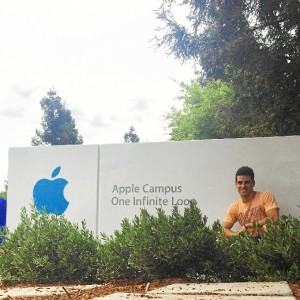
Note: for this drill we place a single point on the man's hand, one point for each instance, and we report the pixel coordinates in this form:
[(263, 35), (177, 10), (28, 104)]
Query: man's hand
[(227, 232)]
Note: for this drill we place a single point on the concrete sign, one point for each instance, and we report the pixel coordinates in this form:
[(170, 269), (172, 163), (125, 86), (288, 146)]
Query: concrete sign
[(66, 176), (155, 175), (108, 183)]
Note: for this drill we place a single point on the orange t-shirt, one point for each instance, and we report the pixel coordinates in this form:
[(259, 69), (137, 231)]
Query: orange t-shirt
[(255, 210)]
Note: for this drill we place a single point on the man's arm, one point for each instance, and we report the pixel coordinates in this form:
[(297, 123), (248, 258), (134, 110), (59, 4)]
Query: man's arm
[(227, 232), (272, 214)]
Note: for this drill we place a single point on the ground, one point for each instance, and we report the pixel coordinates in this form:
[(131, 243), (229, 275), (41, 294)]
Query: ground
[(296, 289), (127, 286)]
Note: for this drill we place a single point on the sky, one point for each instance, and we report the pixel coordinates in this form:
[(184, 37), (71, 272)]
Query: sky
[(98, 56)]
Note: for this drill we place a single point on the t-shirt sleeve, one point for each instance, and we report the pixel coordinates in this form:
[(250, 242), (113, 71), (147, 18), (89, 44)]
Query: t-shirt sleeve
[(269, 201), (230, 216)]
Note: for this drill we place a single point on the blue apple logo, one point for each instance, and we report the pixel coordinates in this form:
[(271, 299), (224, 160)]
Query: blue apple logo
[(48, 194)]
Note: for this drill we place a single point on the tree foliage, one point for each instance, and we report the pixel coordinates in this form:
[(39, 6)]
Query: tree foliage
[(58, 125), (131, 136), (204, 111), (254, 45)]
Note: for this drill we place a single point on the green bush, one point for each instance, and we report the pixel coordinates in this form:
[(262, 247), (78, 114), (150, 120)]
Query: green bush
[(115, 253), (172, 245), (232, 261), (47, 248), (275, 257)]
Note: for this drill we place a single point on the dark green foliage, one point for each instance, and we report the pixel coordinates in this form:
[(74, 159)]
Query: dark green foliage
[(172, 245), (131, 136), (204, 113), (47, 248), (253, 45), (275, 257), (58, 125), (233, 259), (115, 253)]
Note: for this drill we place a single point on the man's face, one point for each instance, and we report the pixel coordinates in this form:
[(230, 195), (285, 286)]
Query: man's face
[(244, 185)]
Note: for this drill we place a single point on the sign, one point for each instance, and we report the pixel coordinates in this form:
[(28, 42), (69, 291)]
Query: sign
[(69, 173), (107, 183)]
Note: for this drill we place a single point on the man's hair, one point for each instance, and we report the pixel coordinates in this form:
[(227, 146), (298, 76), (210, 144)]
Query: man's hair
[(244, 171)]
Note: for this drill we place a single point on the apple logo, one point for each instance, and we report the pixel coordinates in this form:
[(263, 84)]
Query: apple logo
[(48, 194)]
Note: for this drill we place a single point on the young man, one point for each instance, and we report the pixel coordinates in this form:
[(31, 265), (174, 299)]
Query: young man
[(252, 209)]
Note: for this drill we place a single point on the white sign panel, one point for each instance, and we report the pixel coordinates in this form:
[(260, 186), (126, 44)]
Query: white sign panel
[(152, 175), (66, 175), (107, 183)]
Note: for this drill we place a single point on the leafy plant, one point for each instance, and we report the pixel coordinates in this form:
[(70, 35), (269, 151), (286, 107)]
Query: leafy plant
[(204, 112), (115, 253), (275, 257), (47, 248), (172, 245), (232, 261)]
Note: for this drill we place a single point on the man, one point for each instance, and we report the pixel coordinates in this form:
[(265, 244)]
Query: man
[(252, 209)]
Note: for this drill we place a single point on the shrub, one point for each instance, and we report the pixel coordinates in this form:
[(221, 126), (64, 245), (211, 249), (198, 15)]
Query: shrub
[(275, 257), (115, 253), (232, 261), (172, 246), (47, 248)]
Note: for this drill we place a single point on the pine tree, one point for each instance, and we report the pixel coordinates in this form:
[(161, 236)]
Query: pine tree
[(131, 136), (58, 126)]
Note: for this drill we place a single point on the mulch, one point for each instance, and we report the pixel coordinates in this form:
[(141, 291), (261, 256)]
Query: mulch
[(121, 286), (116, 286), (295, 287)]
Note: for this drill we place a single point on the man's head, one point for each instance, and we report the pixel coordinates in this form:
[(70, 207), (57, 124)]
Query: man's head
[(244, 182), (244, 171)]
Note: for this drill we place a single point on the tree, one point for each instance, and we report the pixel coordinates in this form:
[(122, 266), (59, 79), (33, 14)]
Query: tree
[(58, 126), (204, 112), (254, 45), (131, 136)]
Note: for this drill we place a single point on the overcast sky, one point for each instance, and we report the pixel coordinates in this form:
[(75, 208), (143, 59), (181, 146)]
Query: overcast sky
[(98, 55)]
